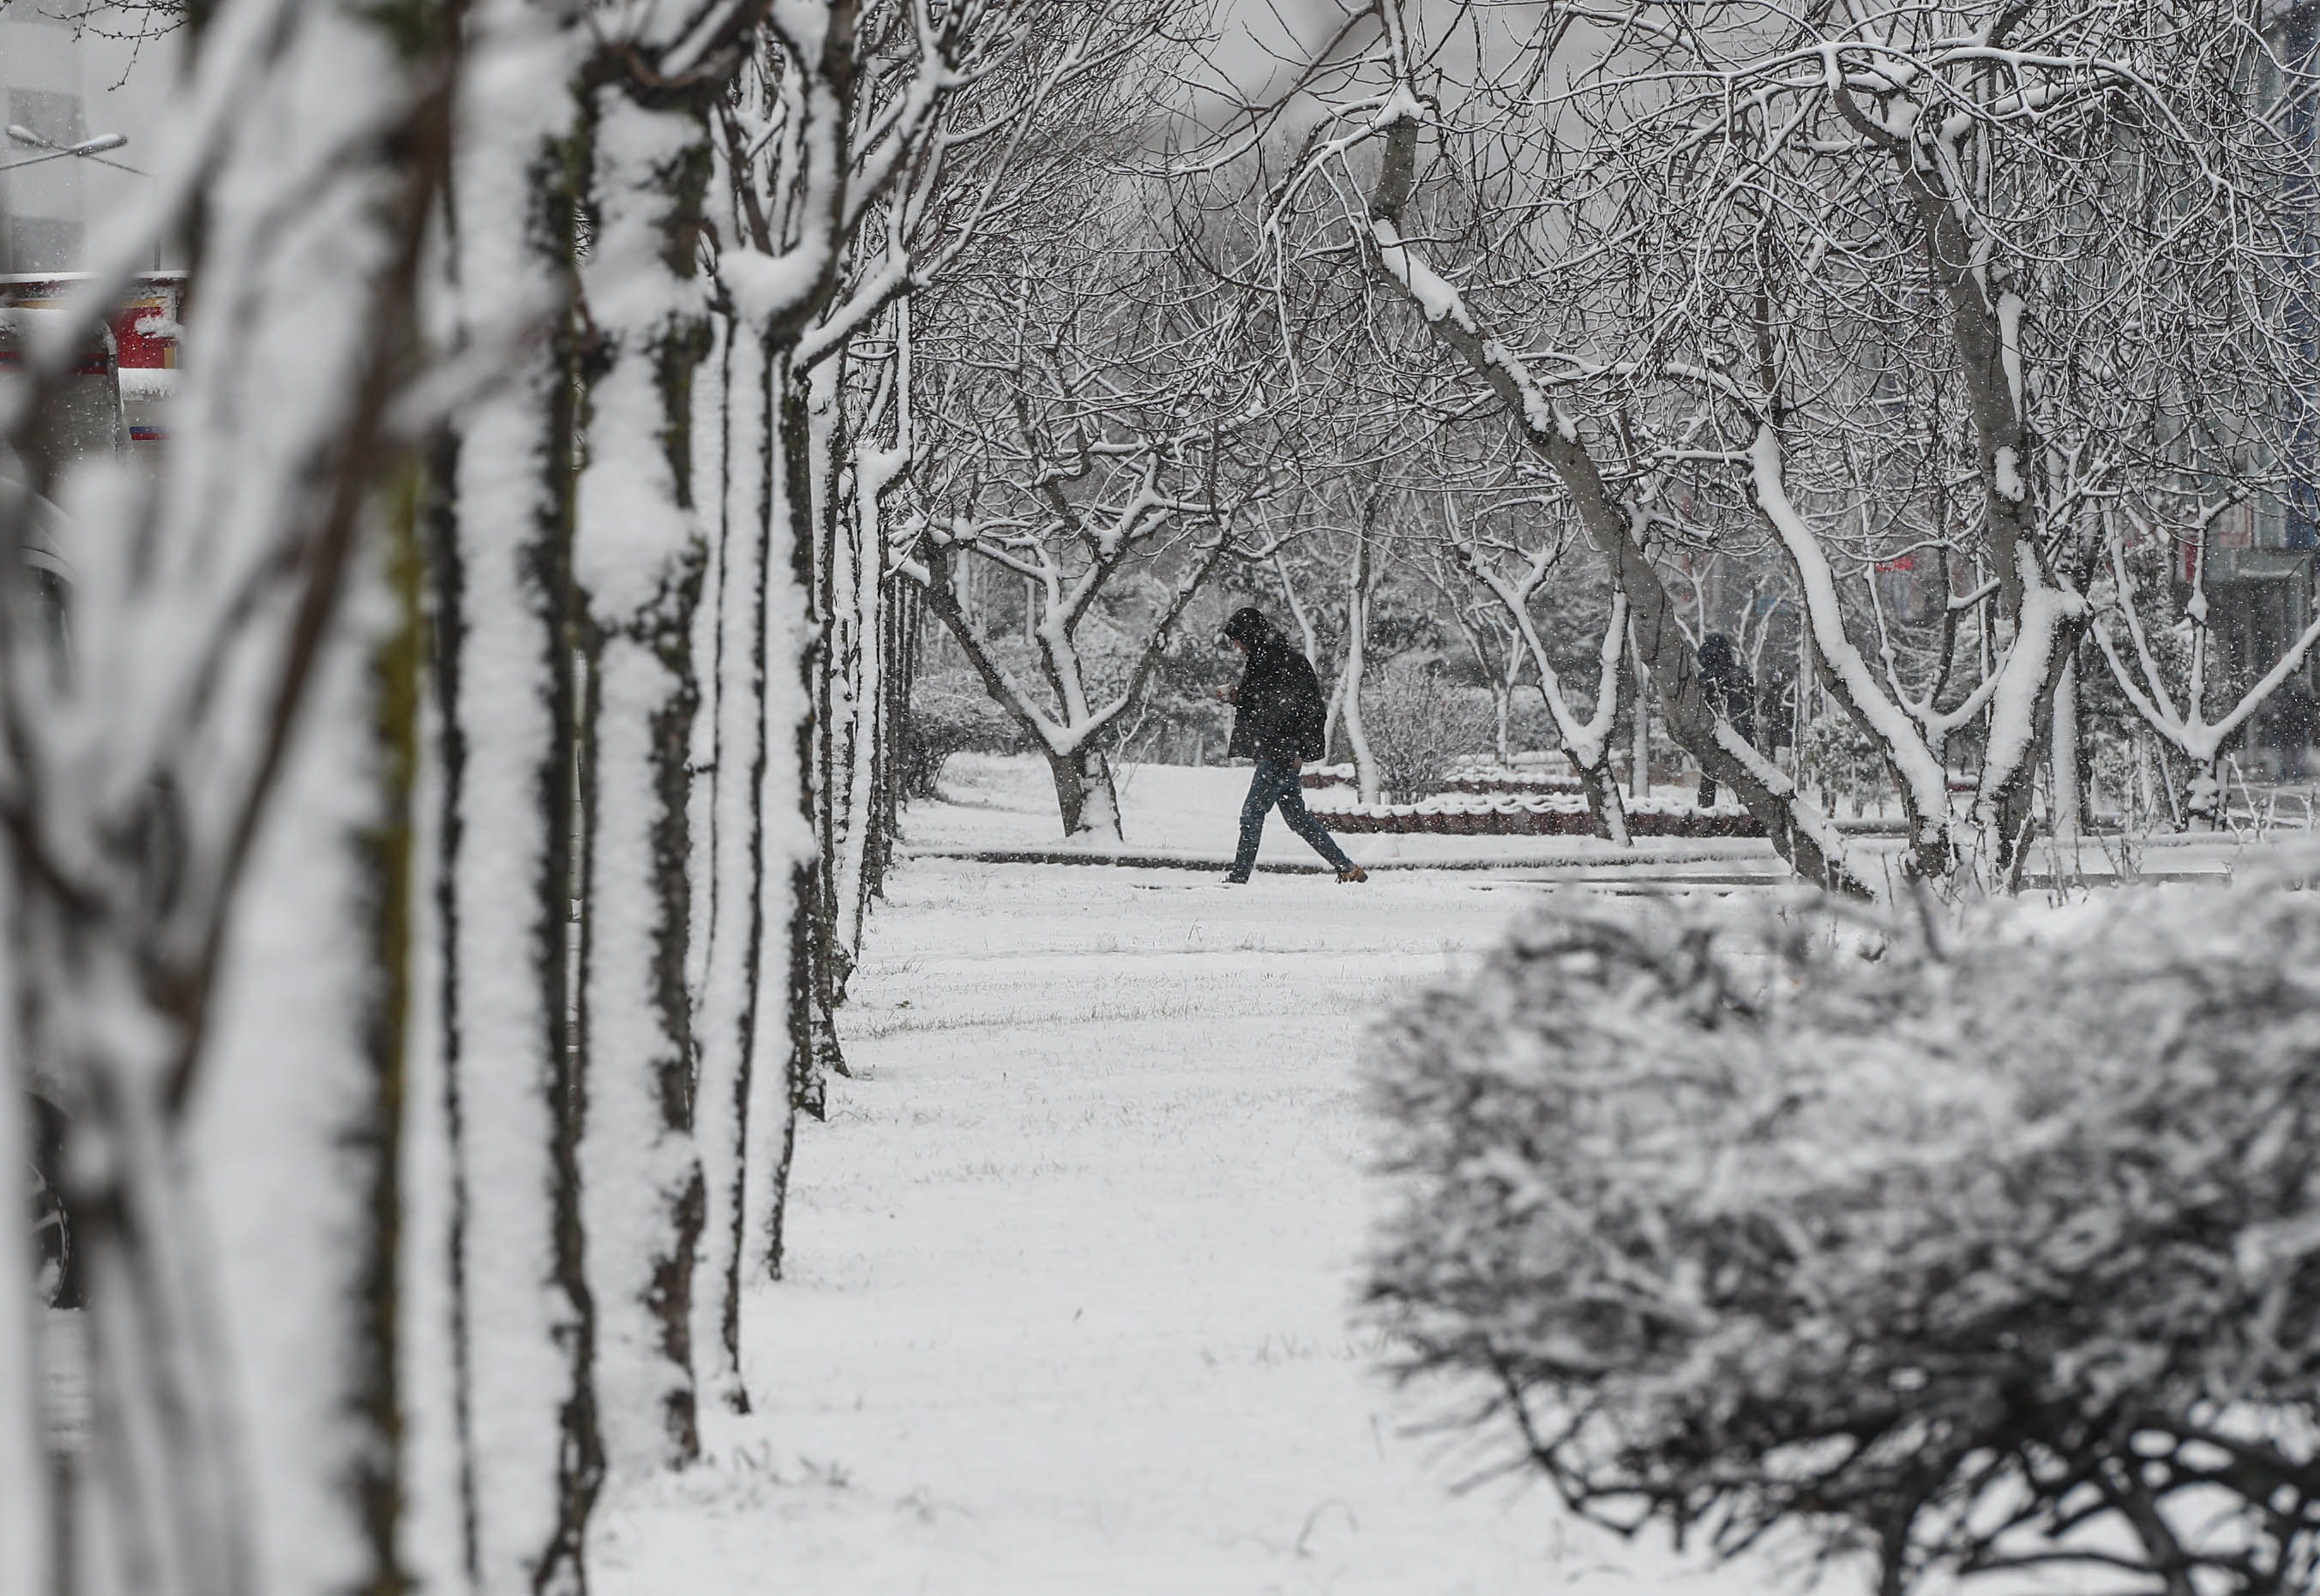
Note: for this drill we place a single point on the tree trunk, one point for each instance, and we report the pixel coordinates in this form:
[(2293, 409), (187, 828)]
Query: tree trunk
[(828, 443), (1639, 726), (637, 559), (294, 1143), (2203, 794), (727, 900), (1608, 813), (876, 469), (785, 1077), (206, 917), (2065, 744), (815, 425), (1085, 795), (523, 1324), (1349, 677)]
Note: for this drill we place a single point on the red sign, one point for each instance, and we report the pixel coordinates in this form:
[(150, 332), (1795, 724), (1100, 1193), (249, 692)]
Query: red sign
[(144, 325)]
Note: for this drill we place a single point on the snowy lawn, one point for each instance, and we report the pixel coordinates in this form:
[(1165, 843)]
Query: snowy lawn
[(1068, 1306)]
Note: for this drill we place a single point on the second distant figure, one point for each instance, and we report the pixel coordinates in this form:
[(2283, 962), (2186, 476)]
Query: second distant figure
[(1281, 723)]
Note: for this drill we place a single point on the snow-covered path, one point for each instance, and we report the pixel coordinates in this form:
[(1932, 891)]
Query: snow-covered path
[(1072, 1263)]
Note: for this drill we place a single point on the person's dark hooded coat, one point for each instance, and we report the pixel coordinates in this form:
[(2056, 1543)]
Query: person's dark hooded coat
[(1730, 687), (1281, 714)]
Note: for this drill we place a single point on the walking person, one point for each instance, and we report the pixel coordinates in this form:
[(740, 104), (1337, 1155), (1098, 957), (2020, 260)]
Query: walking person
[(1731, 692), (1281, 723), (2286, 724)]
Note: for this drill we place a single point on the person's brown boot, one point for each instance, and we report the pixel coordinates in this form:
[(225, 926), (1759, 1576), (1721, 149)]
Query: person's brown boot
[(1352, 872)]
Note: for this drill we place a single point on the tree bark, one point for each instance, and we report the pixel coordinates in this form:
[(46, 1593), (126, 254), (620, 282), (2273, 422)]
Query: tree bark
[(522, 1328), (1085, 793), (729, 902), (299, 1170), (637, 549)]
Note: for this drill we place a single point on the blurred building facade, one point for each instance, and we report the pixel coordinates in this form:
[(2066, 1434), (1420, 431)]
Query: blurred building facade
[(43, 219)]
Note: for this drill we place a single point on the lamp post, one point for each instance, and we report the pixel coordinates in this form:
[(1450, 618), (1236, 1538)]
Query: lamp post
[(86, 150)]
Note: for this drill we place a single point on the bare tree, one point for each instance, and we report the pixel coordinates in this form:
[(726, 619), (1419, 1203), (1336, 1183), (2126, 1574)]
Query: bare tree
[(2180, 710), (1512, 569), (1124, 423)]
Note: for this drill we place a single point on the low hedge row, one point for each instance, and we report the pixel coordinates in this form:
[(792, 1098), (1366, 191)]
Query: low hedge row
[(1324, 777), (1409, 819)]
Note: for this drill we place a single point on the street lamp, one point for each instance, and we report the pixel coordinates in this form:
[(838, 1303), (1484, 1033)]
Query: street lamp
[(94, 149), (86, 150)]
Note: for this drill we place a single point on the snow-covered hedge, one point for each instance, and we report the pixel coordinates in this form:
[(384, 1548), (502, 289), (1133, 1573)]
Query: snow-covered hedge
[(950, 713), (1956, 1257), (1532, 814), (1470, 779)]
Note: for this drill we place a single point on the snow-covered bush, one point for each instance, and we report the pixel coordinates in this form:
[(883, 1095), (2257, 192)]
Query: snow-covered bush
[(1961, 1255), (1419, 723), (950, 714)]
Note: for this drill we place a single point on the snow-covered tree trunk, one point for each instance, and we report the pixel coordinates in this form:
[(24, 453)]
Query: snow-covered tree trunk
[(1586, 744), (727, 900), (905, 643), (295, 1140), (829, 446), (1073, 741), (522, 1325), (637, 549), (876, 468), (787, 1078), (2064, 742), (435, 1519), (1360, 587), (1909, 737), (1085, 795), (217, 988), (812, 419), (528, 1454), (1639, 724)]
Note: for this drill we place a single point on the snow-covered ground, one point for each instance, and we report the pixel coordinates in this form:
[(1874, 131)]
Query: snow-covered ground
[(1193, 816), (1072, 1265), (1070, 1300), (1070, 1305), (998, 807)]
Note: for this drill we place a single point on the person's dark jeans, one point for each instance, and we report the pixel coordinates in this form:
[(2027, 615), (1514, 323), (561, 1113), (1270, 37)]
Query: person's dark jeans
[(1275, 783)]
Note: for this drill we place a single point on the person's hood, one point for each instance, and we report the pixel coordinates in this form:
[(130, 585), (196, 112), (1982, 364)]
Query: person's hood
[(1252, 631)]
